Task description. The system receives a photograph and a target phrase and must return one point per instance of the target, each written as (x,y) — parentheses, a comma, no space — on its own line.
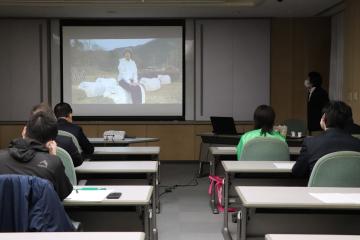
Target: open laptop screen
(223,125)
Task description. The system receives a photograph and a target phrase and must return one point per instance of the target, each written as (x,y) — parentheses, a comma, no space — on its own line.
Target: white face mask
(307,83)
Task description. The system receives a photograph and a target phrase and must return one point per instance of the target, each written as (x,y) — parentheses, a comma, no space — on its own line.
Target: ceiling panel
(164,8)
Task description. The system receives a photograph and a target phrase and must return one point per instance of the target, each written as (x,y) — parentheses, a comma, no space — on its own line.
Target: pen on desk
(91,188)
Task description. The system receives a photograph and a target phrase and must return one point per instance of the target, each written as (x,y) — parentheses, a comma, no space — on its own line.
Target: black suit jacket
(318,99)
(352,128)
(67,144)
(313,148)
(77,131)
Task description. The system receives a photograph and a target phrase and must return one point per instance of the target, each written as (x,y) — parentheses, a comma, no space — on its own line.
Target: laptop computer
(223,125)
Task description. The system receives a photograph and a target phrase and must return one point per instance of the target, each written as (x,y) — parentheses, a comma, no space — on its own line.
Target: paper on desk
(284,165)
(227,148)
(337,197)
(354,196)
(89,195)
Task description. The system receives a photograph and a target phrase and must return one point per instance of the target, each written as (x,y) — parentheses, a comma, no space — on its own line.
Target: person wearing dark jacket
(317,99)
(63,112)
(68,145)
(334,139)
(62,141)
(352,127)
(35,154)
(30,204)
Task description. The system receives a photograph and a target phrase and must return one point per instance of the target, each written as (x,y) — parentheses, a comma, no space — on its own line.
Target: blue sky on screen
(111,44)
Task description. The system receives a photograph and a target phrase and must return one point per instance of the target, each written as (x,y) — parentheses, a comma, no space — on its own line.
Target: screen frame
(125,22)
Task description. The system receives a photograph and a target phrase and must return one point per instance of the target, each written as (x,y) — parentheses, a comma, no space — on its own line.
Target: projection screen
(123,70)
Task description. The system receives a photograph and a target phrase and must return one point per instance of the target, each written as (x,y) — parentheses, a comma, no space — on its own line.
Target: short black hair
(42,127)
(315,79)
(264,118)
(337,114)
(62,110)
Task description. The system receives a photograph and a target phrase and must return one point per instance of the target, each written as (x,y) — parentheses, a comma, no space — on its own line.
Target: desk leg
(146,222)
(212,195)
(156,192)
(157,158)
(225,231)
(200,160)
(154,232)
(241,224)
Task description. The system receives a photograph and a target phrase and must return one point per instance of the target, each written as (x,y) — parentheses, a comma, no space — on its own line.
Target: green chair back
(296,125)
(265,149)
(74,139)
(68,164)
(338,169)
(356,136)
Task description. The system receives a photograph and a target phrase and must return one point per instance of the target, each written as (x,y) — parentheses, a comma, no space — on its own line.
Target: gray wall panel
(23,69)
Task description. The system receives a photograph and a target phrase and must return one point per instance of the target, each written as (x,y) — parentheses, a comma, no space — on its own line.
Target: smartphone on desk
(114,195)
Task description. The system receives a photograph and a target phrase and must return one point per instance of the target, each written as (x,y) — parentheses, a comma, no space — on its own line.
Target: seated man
(352,127)
(335,117)
(62,141)
(35,154)
(63,112)
(68,145)
(264,118)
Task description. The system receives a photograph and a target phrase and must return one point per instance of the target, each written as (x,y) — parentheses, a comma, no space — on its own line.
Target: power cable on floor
(168,189)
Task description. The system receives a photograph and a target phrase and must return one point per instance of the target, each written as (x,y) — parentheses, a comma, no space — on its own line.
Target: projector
(112,135)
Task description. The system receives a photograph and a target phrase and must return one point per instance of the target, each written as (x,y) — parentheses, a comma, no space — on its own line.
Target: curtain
(337,57)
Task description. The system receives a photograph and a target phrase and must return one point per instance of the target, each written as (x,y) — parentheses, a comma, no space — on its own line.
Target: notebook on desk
(223,125)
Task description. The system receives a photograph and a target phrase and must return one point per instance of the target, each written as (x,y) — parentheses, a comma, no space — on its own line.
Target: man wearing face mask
(317,100)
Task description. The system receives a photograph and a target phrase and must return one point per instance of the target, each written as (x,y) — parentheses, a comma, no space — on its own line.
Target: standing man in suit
(335,138)
(63,112)
(317,99)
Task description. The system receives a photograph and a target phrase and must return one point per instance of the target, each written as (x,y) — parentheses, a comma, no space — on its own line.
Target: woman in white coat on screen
(128,78)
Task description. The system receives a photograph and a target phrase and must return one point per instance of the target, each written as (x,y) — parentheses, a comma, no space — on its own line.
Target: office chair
(74,139)
(356,135)
(338,169)
(265,149)
(68,164)
(30,203)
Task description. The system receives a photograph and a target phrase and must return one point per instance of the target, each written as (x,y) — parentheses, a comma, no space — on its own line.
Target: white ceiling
(160,9)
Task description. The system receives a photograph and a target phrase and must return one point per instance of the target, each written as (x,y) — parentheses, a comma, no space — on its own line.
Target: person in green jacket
(264,118)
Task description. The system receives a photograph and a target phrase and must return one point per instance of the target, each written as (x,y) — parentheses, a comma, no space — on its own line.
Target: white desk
(117,167)
(153,151)
(123,142)
(219,152)
(100,168)
(296,198)
(311,237)
(130,196)
(258,166)
(74,236)
(247,167)
(232,151)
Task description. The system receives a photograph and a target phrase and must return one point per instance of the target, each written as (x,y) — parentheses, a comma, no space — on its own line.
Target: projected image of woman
(128,77)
